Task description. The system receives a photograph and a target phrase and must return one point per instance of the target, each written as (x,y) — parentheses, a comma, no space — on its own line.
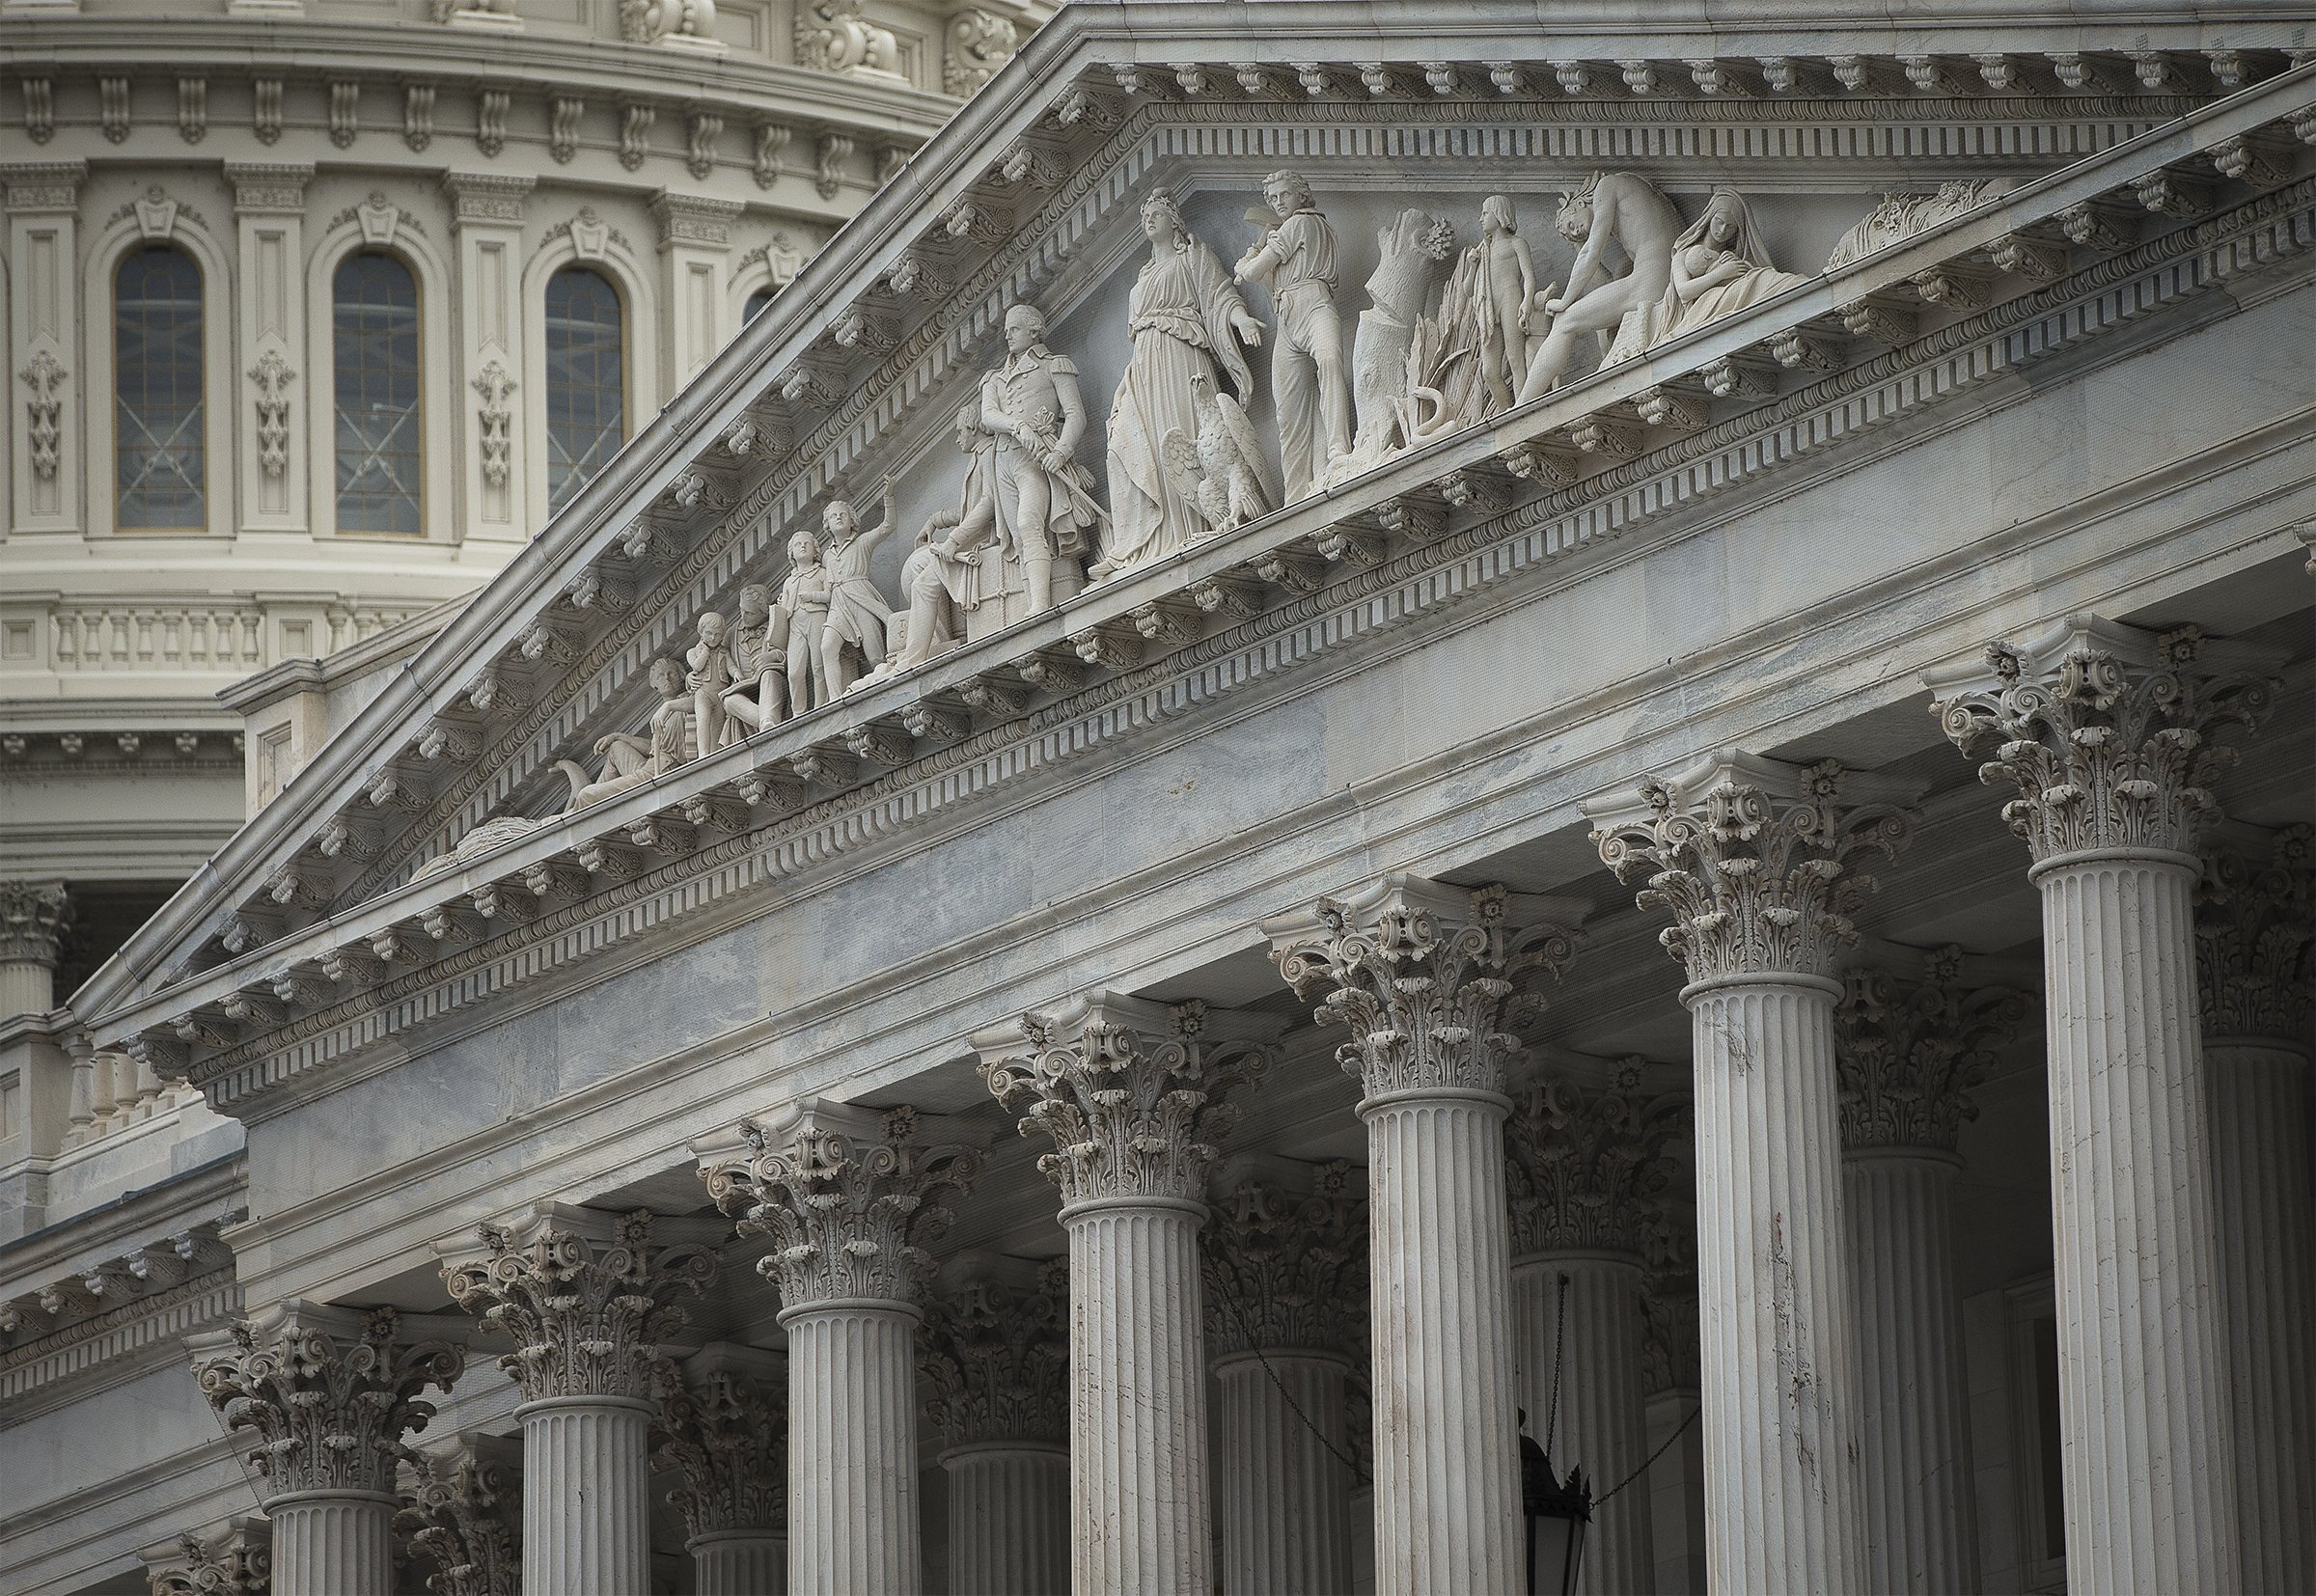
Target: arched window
(375,330)
(756,302)
(587,387)
(156,383)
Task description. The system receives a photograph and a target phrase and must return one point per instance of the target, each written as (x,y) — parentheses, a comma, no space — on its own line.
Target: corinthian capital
(327,1394)
(1429,980)
(996,1352)
(1134,1094)
(236,1561)
(1911,1052)
(1752,858)
(1586,1166)
(851,1198)
(33,917)
(2255,939)
(585,1295)
(2107,732)
(1285,1261)
(724,1426)
(464,1511)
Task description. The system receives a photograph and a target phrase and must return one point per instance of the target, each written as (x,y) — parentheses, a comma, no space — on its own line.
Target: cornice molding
(71,1364)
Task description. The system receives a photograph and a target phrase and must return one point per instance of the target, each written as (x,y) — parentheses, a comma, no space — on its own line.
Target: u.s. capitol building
(1367,739)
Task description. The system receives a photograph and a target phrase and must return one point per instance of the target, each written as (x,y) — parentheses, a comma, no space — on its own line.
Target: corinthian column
(2106,732)
(1286,1276)
(1131,1092)
(996,1355)
(1908,1055)
(724,1428)
(328,1395)
(2253,936)
(464,1512)
(1586,1167)
(849,1196)
(586,1299)
(1421,975)
(1751,857)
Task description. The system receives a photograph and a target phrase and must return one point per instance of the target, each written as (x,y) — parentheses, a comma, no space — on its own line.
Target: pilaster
(2107,733)
(47,420)
(1427,979)
(695,245)
(1752,858)
(269,209)
(724,1428)
(487,216)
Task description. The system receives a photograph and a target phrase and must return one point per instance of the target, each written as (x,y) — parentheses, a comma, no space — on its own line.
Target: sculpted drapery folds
(328,1401)
(1618,208)
(2109,733)
(997,1359)
(1752,858)
(849,1197)
(585,1316)
(1586,1167)
(466,1514)
(1286,1272)
(2255,940)
(1428,981)
(1310,385)
(726,1435)
(1911,1052)
(1133,1108)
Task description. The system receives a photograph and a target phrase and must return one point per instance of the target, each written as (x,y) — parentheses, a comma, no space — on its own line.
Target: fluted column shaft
(1780,1419)
(853,1439)
(333,1543)
(1009,1519)
(1676,1509)
(739,1563)
(1914,1466)
(1139,1520)
(2261,1187)
(1283,1493)
(1446,1441)
(586,1496)
(2150,1489)
(1600,1421)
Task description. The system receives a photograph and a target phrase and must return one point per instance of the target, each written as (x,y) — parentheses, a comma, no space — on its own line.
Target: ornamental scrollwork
(239,1562)
(1286,1272)
(465,1514)
(727,1436)
(1134,1109)
(1752,860)
(585,1315)
(327,1411)
(995,1356)
(1586,1167)
(2107,732)
(2255,940)
(850,1199)
(1910,1053)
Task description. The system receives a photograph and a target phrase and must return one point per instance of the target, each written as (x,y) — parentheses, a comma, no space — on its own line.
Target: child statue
(857,615)
(804,602)
(709,679)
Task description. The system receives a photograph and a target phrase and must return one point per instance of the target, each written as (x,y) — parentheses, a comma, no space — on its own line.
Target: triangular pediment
(1840,201)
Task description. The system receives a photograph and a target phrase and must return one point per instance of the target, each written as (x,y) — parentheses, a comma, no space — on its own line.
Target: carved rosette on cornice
(994,1352)
(1911,1052)
(1753,857)
(1134,1094)
(585,1297)
(1586,1167)
(849,1196)
(2255,940)
(235,1561)
(2108,731)
(1285,1269)
(1429,980)
(464,1510)
(32,917)
(726,1434)
(327,1394)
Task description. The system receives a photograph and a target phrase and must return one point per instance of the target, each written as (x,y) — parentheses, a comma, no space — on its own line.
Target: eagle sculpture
(1222,472)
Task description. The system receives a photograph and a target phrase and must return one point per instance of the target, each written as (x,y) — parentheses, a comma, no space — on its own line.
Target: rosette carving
(2107,732)
(585,1314)
(1429,979)
(728,1436)
(327,1397)
(1286,1272)
(997,1358)
(1910,1053)
(466,1514)
(1585,1167)
(1752,858)
(2255,940)
(239,1562)
(849,1196)
(1134,1095)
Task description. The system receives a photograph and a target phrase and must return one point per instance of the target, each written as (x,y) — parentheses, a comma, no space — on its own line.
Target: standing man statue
(1309,382)
(1045,498)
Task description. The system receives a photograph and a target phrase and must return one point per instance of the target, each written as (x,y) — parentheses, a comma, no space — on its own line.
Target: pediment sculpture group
(1448,339)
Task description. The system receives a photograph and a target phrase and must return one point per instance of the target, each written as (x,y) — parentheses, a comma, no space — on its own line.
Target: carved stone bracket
(996,1354)
(1286,1264)
(1911,1052)
(1586,1166)
(2255,940)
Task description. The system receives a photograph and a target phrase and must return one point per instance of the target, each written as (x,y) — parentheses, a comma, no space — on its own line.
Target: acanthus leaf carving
(238,1561)
(727,1436)
(1910,1051)
(44,374)
(465,1512)
(272,377)
(2255,940)
(995,1356)
(1285,1269)
(497,415)
(1586,1167)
